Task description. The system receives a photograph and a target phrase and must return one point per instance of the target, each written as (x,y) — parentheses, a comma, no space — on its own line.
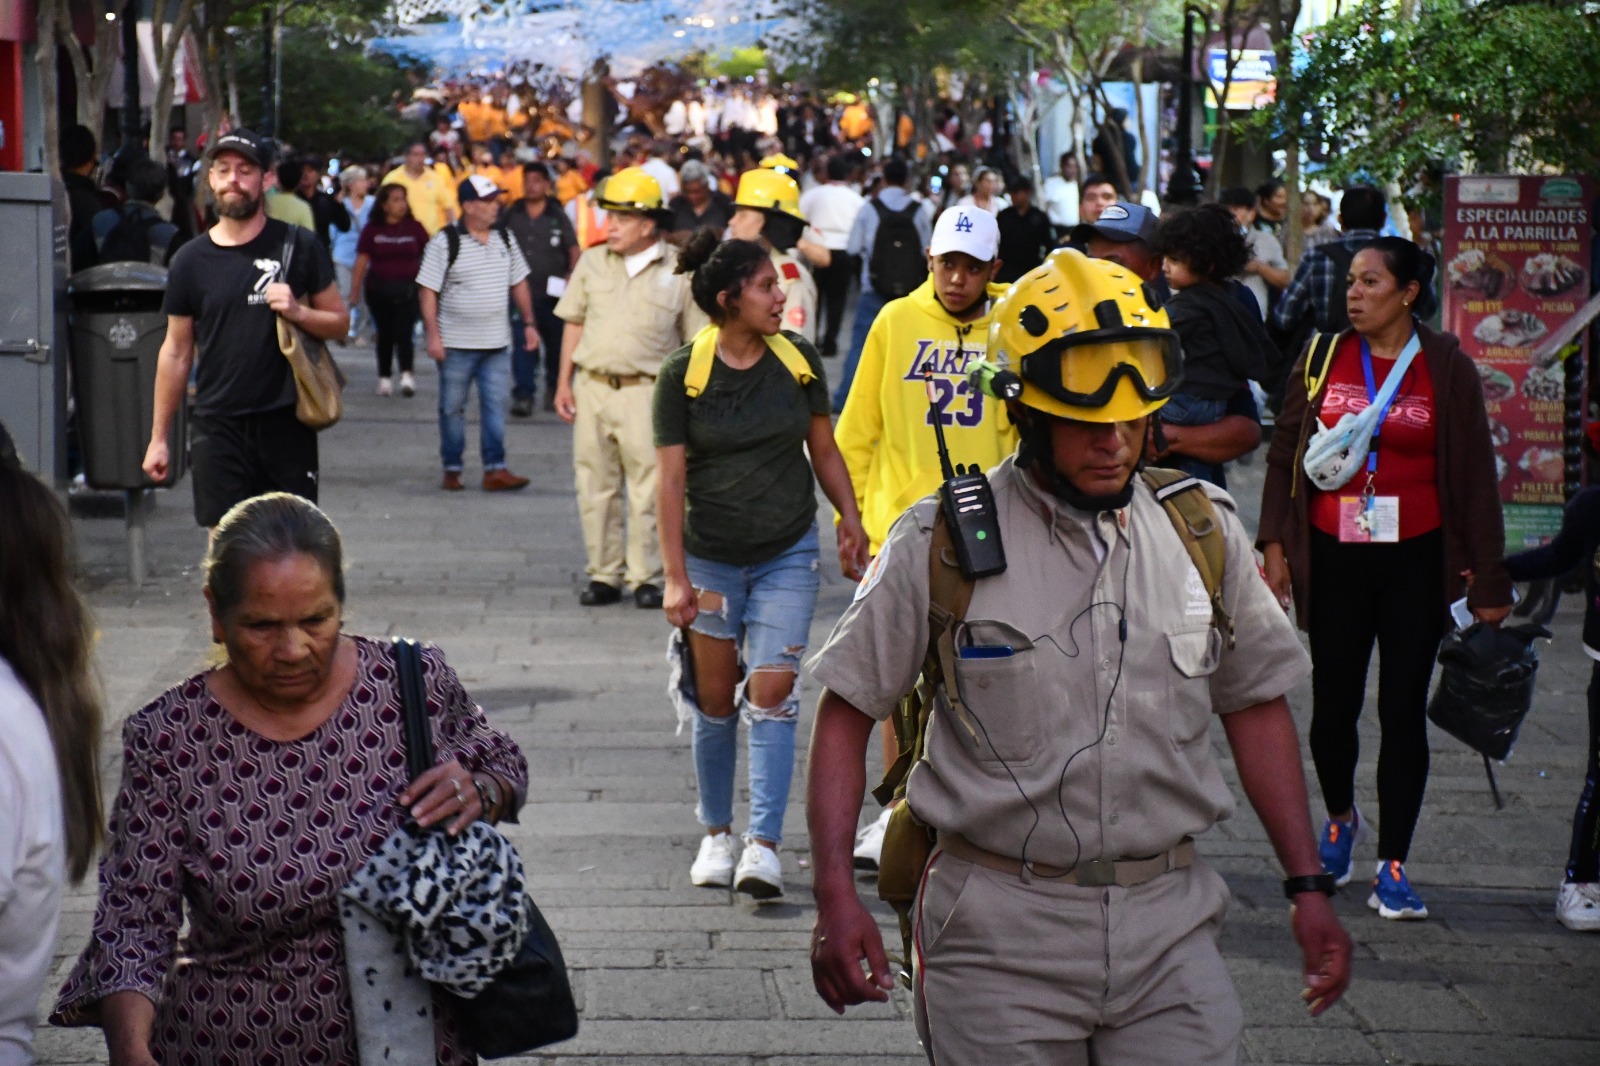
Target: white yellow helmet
(1086,340)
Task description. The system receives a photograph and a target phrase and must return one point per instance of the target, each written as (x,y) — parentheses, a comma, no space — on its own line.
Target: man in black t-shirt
(225,290)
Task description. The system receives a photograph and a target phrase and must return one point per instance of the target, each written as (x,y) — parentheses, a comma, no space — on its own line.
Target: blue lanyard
(1372,396)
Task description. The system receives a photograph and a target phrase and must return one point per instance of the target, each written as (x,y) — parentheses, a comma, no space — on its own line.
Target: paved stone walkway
(668,973)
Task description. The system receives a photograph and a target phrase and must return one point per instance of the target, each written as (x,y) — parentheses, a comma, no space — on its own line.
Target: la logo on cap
(963,223)
(1114,212)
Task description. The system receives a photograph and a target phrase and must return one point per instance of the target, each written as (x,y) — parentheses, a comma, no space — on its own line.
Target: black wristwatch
(488,794)
(1293,886)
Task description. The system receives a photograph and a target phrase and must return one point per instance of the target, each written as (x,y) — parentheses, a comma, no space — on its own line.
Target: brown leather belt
(617,381)
(1096,873)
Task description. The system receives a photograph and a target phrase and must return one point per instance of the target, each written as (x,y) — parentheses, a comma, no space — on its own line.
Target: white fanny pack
(1334,455)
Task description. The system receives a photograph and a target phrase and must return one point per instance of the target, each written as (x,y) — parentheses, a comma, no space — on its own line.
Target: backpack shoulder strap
(1319,361)
(452,241)
(704,353)
(701,356)
(792,358)
(1194,519)
(949,595)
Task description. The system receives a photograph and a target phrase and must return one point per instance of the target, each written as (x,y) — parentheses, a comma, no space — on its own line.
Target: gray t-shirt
(473,294)
(1264,248)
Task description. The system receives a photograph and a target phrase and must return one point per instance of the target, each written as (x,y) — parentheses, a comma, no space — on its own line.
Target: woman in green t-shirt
(736,412)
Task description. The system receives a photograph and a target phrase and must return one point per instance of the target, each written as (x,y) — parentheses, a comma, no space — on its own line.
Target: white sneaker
(760,874)
(713,867)
(1578,906)
(385,386)
(408,384)
(869,841)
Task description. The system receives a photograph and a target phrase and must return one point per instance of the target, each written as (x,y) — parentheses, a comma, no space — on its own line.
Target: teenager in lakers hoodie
(885,432)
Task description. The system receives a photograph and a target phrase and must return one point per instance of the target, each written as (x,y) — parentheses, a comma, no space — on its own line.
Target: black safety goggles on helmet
(1151,359)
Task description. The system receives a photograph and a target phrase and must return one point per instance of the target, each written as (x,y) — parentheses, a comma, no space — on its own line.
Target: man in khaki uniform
(1063,916)
(625,310)
(767,211)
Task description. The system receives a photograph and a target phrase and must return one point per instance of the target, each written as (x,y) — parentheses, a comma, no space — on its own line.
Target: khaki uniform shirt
(629,324)
(799,293)
(1150,778)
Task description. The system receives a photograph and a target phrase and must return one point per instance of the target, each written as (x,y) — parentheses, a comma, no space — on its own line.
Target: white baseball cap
(966,229)
(477,187)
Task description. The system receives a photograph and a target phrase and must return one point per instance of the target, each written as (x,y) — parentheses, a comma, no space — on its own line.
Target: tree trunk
(1138,104)
(167,44)
(1293,230)
(44,55)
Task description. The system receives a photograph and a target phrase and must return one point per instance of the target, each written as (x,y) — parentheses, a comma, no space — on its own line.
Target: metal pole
(269,68)
(135,513)
(1183,189)
(130,74)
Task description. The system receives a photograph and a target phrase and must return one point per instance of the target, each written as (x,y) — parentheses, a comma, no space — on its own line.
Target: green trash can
(117,328)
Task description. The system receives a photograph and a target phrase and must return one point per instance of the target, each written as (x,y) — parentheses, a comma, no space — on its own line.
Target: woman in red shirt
(388,256)
(1389,550)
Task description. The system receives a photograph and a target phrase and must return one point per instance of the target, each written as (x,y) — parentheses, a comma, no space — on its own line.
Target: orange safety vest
(591,231)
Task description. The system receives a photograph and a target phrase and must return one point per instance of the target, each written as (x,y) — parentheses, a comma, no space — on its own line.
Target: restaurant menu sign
(1516,267)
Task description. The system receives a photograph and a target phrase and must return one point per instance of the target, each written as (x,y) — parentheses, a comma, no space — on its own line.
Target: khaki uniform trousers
(1050,974)
(613,448)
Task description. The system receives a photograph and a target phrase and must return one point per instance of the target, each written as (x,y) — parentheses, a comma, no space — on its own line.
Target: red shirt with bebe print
(1406,444)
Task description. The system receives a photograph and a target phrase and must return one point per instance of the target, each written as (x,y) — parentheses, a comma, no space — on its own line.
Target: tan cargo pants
(613,453)
(1050,974)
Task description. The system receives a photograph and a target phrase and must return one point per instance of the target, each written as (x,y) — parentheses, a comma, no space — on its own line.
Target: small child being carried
(1225,343)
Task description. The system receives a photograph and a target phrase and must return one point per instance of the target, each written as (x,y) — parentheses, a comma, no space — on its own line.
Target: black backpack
(897,265)
(452,240)
(141,235)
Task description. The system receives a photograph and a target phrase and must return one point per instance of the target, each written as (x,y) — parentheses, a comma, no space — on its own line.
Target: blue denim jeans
(1181,409)
(491,369)
(525,364)
(766,607)
(868,304)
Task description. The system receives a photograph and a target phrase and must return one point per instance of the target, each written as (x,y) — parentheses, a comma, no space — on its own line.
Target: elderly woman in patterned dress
(250,794)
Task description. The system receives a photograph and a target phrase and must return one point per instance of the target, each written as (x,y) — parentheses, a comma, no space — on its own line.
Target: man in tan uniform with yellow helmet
(625,310)
(767,211)
(1063,916)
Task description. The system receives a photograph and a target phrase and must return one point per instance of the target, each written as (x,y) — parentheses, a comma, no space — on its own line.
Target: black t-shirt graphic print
(238,367)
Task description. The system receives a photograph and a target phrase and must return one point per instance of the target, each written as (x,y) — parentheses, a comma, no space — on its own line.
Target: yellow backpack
(704,353)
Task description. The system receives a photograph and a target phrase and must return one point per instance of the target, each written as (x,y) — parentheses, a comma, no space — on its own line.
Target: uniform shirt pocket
(1196,654)
(1002,697)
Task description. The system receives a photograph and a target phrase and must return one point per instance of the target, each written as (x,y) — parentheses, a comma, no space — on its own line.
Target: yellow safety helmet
(769,190)
(631,189)
(783,164)
(1083,336)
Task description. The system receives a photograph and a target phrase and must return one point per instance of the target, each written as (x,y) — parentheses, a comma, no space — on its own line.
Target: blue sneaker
(1392,896)
(1337,843)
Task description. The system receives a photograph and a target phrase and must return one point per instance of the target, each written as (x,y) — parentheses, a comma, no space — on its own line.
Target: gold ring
(461,799)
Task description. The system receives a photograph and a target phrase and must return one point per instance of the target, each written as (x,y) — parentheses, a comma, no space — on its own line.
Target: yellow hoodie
(886,431)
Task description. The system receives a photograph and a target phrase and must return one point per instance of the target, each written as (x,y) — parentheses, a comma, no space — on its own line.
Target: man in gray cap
(1125,234)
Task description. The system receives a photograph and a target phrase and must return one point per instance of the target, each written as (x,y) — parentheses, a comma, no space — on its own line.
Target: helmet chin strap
(1035,456)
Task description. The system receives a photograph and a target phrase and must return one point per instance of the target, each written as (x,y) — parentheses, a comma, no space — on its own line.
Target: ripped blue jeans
(767,608)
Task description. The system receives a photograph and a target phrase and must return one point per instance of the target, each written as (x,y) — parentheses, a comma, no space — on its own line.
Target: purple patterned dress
(251,840)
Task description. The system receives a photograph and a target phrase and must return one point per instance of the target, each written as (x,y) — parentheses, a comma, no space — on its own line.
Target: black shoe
(598,594)
(647,598)
(829,350)
(522,406)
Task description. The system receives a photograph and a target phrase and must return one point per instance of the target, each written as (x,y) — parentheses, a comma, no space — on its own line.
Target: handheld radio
(968,505)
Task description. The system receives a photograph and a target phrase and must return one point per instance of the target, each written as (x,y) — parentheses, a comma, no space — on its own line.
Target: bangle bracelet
(488,797)
(1293,886)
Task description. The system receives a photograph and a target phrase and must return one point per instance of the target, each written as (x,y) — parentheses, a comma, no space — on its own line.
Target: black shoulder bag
(529,1005)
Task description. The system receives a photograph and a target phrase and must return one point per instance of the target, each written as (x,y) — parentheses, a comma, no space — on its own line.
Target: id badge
(1369,519)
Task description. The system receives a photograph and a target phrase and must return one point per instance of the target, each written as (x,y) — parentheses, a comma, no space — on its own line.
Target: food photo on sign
(1516,251)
